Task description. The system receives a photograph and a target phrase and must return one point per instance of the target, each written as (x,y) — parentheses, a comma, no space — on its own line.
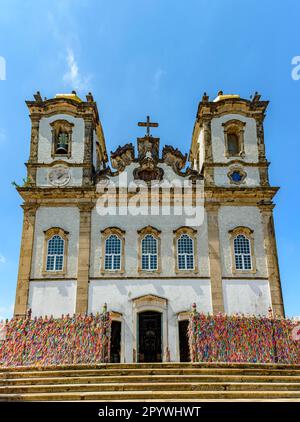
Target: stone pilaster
(260,140)
(34,143)
(25,260)
(88,151)
(272,258)
(83,257)
(212,211)
(34,138)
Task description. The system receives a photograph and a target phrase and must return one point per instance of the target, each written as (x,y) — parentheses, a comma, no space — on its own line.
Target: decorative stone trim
(156,234)
(237,128)
(48,234)
(192,234)
(104,236)
(64,126)
(150,303)
(242,173)
(248,233)
(183,315)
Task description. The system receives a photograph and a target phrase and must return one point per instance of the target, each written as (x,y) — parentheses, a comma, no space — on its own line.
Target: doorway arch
(150,303)
(149,336)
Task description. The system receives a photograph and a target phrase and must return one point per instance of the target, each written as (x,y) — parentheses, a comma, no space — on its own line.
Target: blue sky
(154,57)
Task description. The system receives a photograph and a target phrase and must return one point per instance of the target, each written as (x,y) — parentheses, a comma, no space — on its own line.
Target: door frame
(117,316)
(138,332)
(155,304)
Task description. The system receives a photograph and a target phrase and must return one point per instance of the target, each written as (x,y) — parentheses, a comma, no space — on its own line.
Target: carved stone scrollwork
(148,150)
(122,157)
(174,158)
(148,171)
(148,146)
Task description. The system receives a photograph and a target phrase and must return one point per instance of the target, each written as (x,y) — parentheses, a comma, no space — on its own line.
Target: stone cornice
(66,163)
(241,162)
(72,196)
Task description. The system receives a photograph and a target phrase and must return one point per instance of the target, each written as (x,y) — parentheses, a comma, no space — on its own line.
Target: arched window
(233,144)
(113,247)
(149,253)
(185,246)
(62,143)
(112,260)
(55,253)
(61,138)
(185,252)
(234,138)
(242,252)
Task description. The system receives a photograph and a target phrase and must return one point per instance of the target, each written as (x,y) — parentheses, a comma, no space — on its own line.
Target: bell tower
(67,143)
(228,141)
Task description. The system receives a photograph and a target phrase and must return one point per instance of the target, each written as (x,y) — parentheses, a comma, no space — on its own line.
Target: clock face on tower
(59,176)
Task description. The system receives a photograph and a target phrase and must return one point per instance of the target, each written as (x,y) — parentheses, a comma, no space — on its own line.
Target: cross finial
(148,124)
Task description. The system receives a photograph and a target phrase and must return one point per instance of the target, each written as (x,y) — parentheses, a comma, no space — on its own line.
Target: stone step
(95,379)
(144,371)
(180,365)
(152,395)
(165,386)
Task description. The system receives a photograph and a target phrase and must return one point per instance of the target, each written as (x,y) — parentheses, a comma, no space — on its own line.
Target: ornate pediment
(148,155)
(122,157)
(174,158)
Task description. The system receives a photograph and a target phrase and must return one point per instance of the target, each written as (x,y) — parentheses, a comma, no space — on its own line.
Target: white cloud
(2,259)
(158,75)
(73,76)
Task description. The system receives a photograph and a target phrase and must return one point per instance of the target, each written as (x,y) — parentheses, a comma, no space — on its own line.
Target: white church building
(150,231)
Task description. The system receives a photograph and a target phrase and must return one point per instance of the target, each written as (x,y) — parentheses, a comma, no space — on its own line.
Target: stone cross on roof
(148,124)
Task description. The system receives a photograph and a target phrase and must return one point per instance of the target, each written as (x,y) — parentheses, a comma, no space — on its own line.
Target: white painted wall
(45,138)
(131,225)
(52,298)
(118,295)
(221,178)
(246,296)
(43,172)
(218,141)
(247,216)
(67,218)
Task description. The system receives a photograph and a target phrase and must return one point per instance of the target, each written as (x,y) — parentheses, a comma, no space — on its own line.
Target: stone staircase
(152,382)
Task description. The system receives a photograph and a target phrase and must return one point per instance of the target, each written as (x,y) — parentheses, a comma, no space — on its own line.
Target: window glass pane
(149,244)
(185,251)
(145,262)
(153,262)
(233,144)
(55,254)
(190,262)
(50,263)
(242,253)
(108,262)
(117,262)
(112,259)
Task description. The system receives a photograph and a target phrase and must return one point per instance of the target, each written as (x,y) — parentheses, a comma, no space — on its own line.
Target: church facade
(147,233)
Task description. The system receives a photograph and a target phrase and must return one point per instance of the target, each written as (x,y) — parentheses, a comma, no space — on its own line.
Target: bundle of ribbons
(48,341)
(239,338)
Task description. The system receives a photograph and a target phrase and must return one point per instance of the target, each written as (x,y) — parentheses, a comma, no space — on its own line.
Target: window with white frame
(185,252)
(112,260)
(242,252)
(149,253)
(55,253)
